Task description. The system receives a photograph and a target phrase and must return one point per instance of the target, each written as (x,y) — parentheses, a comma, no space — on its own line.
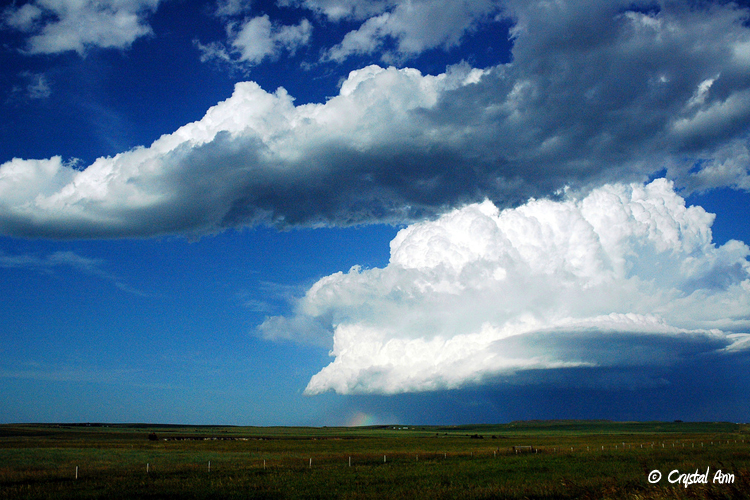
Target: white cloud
(727,166)
(22,18)
(415,26)
(253,39)
(258,38)
(228,8)
(592,96)
(55,26)
(234,150)
(481,292)
(336,10)
(699,97)
(24,180)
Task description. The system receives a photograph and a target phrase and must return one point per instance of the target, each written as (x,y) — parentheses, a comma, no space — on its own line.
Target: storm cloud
(625,277)
(596,92)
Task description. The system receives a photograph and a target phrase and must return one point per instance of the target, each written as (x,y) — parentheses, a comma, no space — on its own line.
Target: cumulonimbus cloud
(626,276)
(595,93)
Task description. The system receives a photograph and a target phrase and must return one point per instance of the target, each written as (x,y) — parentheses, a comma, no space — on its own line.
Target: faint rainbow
(361,419)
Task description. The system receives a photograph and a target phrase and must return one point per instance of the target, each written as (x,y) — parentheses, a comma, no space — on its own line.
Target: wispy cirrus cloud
(30,87)
(72,372)
(55,259)
(66,259)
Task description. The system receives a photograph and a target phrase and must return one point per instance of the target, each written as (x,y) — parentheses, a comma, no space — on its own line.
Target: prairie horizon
(545,459)
(355,212)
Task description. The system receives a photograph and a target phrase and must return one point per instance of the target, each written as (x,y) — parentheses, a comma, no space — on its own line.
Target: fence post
(76,472)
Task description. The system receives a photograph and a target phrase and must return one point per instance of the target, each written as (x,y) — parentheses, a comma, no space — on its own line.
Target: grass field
(534,460)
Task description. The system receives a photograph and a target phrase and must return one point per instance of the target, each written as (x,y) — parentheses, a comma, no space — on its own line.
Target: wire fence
(257,462)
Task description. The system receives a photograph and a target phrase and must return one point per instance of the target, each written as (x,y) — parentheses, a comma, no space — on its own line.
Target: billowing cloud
(627,276)
(595,93)
(55,26)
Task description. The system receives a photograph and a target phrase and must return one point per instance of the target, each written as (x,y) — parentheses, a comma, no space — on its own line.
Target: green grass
(474,462)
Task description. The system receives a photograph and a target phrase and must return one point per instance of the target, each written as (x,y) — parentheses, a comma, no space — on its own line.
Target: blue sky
(332,212)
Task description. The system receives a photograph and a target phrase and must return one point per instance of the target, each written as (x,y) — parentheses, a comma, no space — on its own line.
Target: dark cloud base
(712,388)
